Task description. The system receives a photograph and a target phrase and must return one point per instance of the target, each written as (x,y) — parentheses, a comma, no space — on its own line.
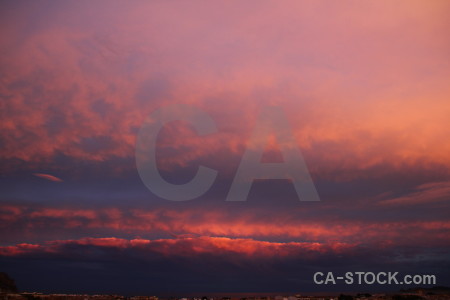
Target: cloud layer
(364,86)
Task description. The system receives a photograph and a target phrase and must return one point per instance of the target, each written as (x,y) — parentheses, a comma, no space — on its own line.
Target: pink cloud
(422,194)
(48,177)
(217,223)
(347,76)
(185,247)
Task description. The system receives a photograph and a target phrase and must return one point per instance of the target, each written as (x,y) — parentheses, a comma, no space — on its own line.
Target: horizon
(233,295)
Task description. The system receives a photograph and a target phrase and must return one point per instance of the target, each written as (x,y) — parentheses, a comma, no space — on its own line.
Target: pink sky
(364,84)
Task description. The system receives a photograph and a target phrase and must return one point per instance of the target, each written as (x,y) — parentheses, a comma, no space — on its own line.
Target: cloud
(427,193)
(43,222)
(48,177)
(365,90)
(179,247)
(81,86)
(187,264)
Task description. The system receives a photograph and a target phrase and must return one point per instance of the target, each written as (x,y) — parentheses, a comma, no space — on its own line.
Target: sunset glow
(365,87)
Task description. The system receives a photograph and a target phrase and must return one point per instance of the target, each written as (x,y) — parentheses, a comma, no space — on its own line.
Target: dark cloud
(189,264)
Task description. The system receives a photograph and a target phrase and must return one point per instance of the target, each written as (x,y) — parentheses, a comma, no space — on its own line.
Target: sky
(364,87)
